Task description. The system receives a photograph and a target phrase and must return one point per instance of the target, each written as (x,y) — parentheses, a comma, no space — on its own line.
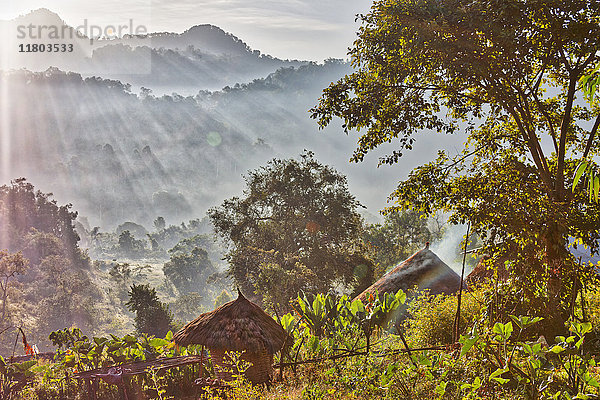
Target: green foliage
(11,265)
(326,322)
(493,361)
(23,208)
(188,271)
(275,282)
(534,367)
(169,236)
(296,214)
(128,244)
(120,272)
(66,337)
(239,387)
(188,306)
(137,244)
(186,245)
(317,310)
(67,296)
(588,169)
(151,315)
(85,354)
(430,318)
(133,228)
(14,377)
(591,302)
(56,380)
(55,290)
(507,75)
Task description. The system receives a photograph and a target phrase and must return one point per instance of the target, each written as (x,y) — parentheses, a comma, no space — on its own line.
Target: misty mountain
(122,149)
(203,57)
(209,38)
(117,155)
(182,71)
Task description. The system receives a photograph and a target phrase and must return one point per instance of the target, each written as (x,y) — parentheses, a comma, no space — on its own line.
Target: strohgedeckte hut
(240,326)
(424,270)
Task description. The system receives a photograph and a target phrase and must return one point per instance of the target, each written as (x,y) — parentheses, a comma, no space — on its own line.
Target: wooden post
(462,277)
(95,385)
(201,374)
(91,392)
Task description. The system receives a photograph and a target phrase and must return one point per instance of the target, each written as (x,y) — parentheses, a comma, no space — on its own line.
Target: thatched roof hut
(485,271)
(424,270)
(239,325)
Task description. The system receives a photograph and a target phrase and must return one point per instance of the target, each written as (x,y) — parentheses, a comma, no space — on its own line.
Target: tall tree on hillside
(507,73)
(23,208)
(295,216)
(151,315)
(188,270)
(11,265)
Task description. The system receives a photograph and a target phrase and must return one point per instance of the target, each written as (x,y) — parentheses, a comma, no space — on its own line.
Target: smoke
(449,248)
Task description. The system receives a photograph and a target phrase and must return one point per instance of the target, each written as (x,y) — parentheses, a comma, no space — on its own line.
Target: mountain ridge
(202,57)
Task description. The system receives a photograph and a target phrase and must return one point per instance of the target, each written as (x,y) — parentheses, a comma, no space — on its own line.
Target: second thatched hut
(423,270)
(239,326)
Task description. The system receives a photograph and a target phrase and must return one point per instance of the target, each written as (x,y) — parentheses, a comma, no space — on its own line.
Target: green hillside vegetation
(50,283)
(517,77)
(391,345)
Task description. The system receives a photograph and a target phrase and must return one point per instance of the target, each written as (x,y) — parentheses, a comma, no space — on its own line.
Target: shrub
(431,317)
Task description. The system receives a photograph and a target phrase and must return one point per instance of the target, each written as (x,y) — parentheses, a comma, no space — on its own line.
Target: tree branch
(541,107)
(564,127)
(461,159)
(590,140)
(435,88)
(544,173)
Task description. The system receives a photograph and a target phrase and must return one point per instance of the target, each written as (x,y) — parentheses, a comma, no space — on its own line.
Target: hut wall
(260,371)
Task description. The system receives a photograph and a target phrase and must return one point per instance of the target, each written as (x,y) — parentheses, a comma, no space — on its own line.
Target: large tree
(188,270)
(507,73)
(151,315)
(296,227)
(11,265)
(24,210)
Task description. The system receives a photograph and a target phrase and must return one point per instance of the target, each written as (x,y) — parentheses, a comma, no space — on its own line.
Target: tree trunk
(4,298)
(558,266)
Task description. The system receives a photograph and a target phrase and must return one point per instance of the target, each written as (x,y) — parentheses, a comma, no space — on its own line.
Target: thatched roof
(484,271)
(236,326)
(423,269)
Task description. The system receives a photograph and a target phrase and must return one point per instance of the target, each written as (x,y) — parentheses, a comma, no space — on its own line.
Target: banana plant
(587,169)
(377,311)
(316,310)
(13,377)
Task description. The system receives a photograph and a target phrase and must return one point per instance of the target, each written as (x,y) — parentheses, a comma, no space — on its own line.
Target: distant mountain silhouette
(208,38)
(203,57)
(41,16)
(41,27)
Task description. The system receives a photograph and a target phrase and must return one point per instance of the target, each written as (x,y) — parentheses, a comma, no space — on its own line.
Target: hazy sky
(303,29)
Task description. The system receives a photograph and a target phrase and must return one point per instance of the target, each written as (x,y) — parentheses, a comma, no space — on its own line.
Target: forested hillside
(212,232)
(168,155)
(202,57)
